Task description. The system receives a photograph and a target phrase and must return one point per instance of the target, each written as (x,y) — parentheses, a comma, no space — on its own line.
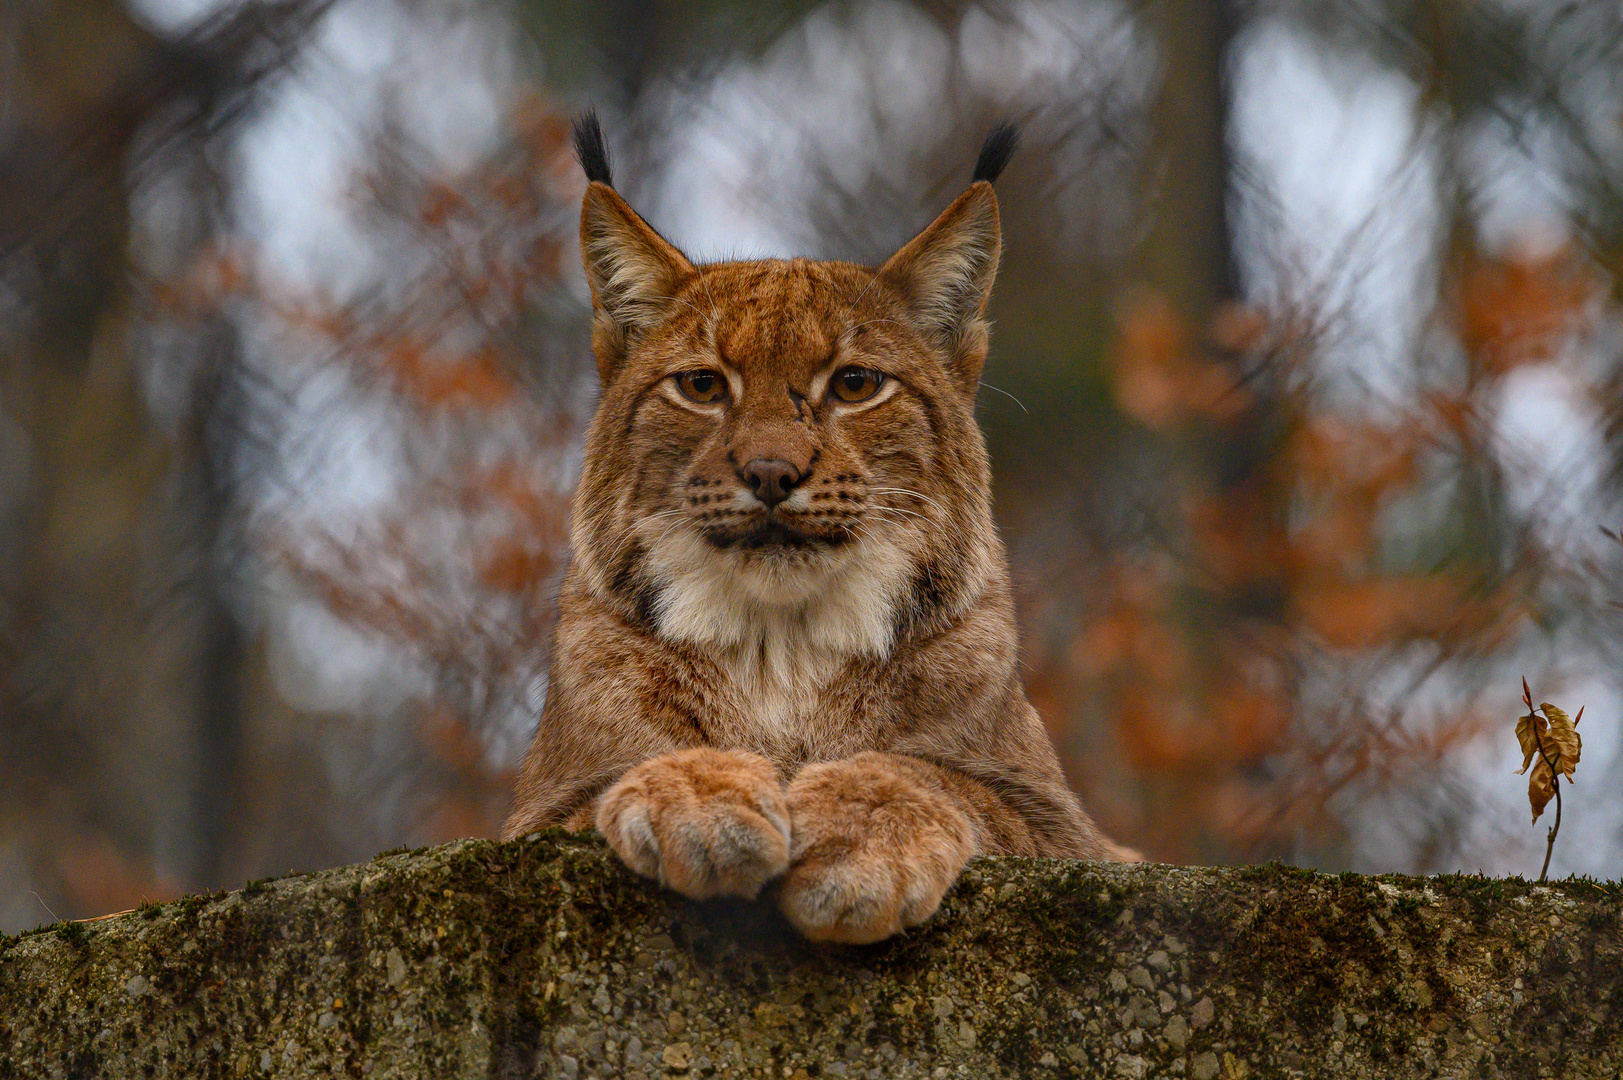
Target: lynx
(786,648)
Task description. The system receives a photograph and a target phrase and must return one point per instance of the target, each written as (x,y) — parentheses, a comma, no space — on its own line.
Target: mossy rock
(544,958)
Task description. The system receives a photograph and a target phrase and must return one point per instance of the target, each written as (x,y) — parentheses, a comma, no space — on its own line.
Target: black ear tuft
(999,147)
(589,148)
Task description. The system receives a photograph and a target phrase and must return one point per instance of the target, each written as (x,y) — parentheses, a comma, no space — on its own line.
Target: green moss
(557,835)
(189,906)
(1275,871)
(1387,1044)
(1479,888)
(1019,1050)
(1588,888)
(1065,931)
(1483,894)
(74,933)
(1295,947)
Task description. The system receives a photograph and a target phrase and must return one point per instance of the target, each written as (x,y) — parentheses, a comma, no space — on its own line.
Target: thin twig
(1555,779)
(1549,847)
(109,915)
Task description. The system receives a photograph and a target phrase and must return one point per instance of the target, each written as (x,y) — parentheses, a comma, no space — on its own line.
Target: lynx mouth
(774,534)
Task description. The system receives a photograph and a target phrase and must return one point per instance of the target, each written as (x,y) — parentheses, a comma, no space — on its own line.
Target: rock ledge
(544,958)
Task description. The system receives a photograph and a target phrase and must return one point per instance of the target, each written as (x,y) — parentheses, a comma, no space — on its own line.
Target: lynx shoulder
(786,649)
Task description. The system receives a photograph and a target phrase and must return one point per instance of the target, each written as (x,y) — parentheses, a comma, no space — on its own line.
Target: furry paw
(1123,853)
(876,846)
(704,822)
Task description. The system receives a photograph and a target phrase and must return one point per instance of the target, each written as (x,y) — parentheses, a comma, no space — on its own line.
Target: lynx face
(786,448)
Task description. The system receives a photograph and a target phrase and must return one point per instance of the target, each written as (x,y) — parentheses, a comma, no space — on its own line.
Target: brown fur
(836,704)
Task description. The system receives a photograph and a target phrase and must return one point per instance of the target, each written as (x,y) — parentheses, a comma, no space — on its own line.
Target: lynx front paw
(704,822)
(876,846)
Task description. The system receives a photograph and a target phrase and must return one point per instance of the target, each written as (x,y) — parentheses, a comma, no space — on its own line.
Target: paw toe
(724,854)
(847,904)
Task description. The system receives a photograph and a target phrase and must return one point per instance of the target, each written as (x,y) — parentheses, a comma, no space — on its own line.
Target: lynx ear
(633,271)
(945,273)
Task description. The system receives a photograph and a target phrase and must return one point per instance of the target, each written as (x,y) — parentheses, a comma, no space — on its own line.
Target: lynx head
(787,446)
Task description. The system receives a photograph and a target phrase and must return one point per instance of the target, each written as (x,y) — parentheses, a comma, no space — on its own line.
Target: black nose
(771,479)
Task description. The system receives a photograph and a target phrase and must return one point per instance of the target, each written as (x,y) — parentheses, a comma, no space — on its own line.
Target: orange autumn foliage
(1157,381)
(1517,311)
(476,382)
(1195,649)
(1365,614)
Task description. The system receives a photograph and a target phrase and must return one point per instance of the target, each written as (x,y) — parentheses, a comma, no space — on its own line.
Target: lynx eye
(704,387)
(854,384)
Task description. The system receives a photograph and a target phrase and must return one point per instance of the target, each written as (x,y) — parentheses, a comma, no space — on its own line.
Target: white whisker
(866,289)
(1010,396)
(688,303)
(880,513)
(661,516)
(868,322)
(636,527)
(904,491)
(898,510)
(672,527)
(714,313)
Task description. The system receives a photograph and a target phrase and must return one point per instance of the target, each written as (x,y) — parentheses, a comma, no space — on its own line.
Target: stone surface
(543,958)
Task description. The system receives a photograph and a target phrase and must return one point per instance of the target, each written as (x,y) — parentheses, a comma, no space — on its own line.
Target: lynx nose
(770,479)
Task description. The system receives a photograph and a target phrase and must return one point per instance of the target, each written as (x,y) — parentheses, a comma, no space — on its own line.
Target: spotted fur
(824,692)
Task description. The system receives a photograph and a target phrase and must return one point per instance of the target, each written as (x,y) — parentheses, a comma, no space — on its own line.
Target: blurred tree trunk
(122,663)
(1186,276)
(220,685)
(1188,254)
(84,459)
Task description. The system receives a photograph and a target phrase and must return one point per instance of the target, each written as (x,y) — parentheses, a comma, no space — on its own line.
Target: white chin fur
(794,607)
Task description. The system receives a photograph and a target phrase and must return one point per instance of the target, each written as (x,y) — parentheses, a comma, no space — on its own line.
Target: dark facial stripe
(630,585)
(635,411)
(796,290)
(929,600)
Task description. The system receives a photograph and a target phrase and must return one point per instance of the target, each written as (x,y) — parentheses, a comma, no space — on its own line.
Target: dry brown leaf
(1540,787)
(1562,743)
(1526,727)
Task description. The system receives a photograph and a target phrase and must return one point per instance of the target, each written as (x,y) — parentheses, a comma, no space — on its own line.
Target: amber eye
(853,384)
(704,387)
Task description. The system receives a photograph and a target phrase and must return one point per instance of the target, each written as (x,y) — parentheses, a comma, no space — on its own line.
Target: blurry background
(1304,401)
